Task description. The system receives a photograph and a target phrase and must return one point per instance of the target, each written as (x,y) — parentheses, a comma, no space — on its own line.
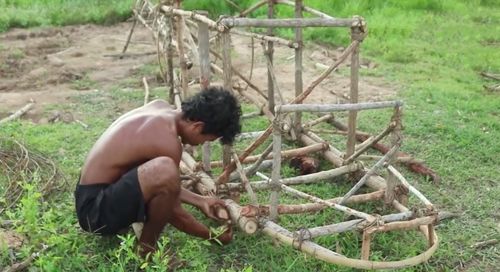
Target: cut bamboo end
(249,225)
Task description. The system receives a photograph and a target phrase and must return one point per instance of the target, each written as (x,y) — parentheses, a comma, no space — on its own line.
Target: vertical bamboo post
(298,64)
(270,53)
(204,53)
(365,247)
(351,137)
(170,63)
(227,74)
(181,51)
(392,180)
(275,174)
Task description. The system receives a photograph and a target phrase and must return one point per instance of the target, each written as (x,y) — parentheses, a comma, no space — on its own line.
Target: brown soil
(51,65)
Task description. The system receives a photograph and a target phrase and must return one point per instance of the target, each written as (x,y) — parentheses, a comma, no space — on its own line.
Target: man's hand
(210,205)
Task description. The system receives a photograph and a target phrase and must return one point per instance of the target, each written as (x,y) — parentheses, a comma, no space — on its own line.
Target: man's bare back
(136,137)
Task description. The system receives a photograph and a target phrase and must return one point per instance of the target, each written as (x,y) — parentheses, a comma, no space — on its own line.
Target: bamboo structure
(393,190)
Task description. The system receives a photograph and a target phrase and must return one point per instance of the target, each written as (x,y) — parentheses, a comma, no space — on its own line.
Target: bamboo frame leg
(365,247)
(269,55)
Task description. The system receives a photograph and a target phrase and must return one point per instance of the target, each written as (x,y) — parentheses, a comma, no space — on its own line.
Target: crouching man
(131,174)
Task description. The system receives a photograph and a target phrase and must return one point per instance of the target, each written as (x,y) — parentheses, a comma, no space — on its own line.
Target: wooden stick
(404,225)
(182,56)
(299,84)
(356,224)
(146,90)
(168,10)
(315,207)
(369,142)
(351,132)
(317,121)
(287,23)
(484,244)
(269,56)
(255,167)
(18,113)
(325,73)
(285,154)
(244,181)
(412,189)
(204,56)
(337,107)
(275,174)
(304,179)
(490,76)
(272,78)
(370,172)
(129,36)
(365,247)
(251,115)
(267,38)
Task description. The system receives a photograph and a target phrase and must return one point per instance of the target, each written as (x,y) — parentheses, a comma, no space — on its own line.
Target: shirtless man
(131,174)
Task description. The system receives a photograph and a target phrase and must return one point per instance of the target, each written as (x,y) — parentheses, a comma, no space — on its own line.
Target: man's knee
(162,174)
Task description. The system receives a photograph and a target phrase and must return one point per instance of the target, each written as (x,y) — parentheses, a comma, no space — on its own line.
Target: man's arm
(191,198)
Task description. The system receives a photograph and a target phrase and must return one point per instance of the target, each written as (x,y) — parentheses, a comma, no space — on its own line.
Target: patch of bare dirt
(50,65)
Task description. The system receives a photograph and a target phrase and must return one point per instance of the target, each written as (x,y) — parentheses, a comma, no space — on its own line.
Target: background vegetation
(431,50)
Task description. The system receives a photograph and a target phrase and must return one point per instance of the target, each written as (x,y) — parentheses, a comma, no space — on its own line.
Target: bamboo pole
(18,113)
(286,23)
(273,81)
(370,172)
(351,137)
(284,154)
(299,85)
(269,56)
(244,181)
(369,142)
(227,75)
(356,224)
(170,58)
(304,179)
(336,206)
(266,38)
(181,51)
(317,121)
(275,174)
(412,189)
(338,107)
(256,166)
(204,56)
(365,246)
(169,11)
(315,207)
(248,224)
(298,193)
(283,235)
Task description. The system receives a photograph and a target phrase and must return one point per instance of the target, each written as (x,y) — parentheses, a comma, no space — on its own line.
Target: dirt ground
(50,65)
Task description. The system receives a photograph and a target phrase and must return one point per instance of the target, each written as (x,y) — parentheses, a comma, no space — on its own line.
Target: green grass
(431,50)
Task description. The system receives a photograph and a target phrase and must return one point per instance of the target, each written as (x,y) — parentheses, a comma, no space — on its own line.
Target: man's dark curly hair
(218,109)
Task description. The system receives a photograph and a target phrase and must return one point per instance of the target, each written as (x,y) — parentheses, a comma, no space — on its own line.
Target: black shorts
(108,208)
